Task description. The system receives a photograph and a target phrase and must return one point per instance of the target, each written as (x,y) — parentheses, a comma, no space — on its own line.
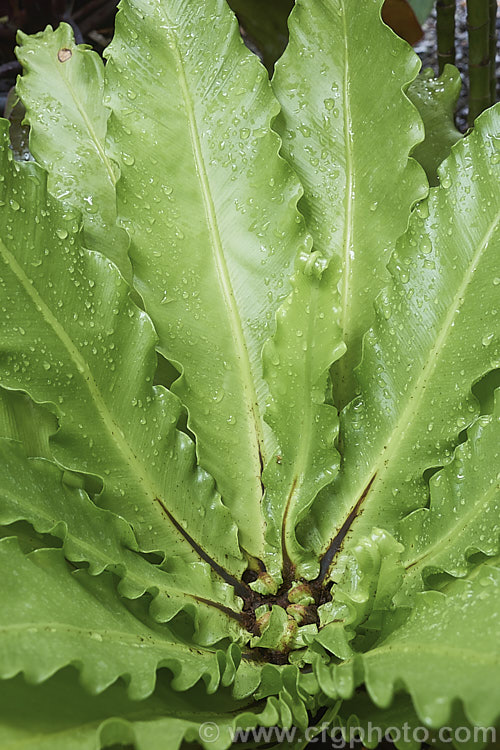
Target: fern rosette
(248,360)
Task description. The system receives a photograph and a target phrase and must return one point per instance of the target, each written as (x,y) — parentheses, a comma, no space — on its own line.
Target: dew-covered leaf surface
(199,271)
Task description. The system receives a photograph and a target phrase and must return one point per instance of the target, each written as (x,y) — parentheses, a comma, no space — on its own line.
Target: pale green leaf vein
(346,295)
(93,135)
(113,636)
(81,365)
(466,519)
(413,405)
(256,428)
(458,653)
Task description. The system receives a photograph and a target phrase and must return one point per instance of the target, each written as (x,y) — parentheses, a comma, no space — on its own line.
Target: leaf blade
(297,360)
(436,100)
(463,514)
(85,622)
(215,239)
(444,272)
(36,491)
(75,356)
(330,126)
(62,90)
(451,660)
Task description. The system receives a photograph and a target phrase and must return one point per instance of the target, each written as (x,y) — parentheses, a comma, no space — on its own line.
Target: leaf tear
(64,55)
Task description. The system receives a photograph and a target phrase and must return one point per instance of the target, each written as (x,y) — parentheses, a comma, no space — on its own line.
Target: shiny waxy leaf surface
(436,100)
(464,514)
(358,183)
(97,630)
(210,208)
(79,169)
(64,716)
(192,540)
(75,356)
(304,424)
(448,649)
(416,391)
